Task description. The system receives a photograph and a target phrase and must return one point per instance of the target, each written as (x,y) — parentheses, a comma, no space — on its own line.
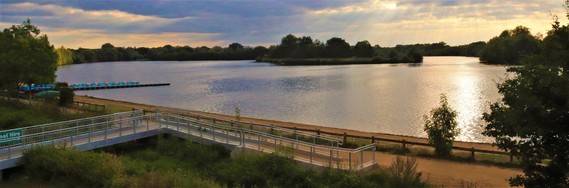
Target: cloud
(253,22)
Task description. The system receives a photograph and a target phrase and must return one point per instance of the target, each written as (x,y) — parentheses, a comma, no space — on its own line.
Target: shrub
(75,168)
(264,170)
(404,173)
(441,127)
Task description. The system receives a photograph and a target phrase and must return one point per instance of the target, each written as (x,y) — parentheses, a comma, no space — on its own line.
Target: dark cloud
(198,8)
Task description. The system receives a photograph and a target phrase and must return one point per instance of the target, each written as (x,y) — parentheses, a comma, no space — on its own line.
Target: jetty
(90,86)
(112,85)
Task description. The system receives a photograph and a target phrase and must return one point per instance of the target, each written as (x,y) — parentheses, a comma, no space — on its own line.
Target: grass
(14,114)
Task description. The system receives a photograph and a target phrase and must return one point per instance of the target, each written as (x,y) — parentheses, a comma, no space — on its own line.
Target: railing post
(295,133)
(106,127)
(147,123)
(227,136)
(259,142)
(134,128)
(201,131)
(472,153)
(158,118)
(361,159)
(373,155)
(178,123)
(213,133)
(350,161)
(120,127)
(292,149)
(331,155)
(404,144)
(242,139)
(345,137)
(311,153)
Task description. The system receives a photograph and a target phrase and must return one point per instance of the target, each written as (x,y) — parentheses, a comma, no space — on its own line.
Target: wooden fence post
(345,137)
(511,157)
(404,144)
(318,131)
(472,153)
(372,139)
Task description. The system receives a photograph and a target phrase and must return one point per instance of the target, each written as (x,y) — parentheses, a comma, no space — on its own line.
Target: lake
(387,98)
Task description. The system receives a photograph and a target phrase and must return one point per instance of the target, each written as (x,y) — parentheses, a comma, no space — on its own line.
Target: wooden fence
(89,106)
(373,139)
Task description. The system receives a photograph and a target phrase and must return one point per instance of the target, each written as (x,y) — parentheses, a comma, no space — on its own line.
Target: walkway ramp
(107,130)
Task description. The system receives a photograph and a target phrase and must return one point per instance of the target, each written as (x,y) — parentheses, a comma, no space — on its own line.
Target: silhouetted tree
(363,49)
(338,48)
(532,118)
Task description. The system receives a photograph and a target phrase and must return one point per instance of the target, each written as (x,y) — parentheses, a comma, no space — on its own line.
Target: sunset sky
(152,23)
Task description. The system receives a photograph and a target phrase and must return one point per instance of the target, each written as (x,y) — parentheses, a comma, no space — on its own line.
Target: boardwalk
(102,131)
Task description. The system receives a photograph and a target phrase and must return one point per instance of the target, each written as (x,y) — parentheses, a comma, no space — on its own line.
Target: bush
(404,173)
(441,128)
(73,167)
(264,170)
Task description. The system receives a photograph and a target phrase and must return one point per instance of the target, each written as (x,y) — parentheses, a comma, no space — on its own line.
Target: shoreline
(132,105)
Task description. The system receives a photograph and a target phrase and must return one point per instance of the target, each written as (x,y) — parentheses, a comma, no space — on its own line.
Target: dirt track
(437,172)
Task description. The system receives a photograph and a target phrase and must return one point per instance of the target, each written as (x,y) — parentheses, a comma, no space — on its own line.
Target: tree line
(305,50)
(109,52)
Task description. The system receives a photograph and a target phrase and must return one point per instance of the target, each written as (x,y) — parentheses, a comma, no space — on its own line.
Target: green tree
(64,56)
(441,127)
(532,119)
(338,48)
(363,49)
(235,46)
(26,56)
(510,47)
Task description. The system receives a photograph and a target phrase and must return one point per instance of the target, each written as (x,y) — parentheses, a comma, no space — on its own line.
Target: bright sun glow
(390,5)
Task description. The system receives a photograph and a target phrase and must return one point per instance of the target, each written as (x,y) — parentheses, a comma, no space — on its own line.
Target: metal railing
(310,148)
(305,150)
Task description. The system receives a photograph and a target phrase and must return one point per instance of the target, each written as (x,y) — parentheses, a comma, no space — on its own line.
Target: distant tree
(260,51)
(235,46)
(532,118)
(363,49)
(510,47)
(26,56)
(64,56)
(441,127)
(415,55)
(338,48)
(305,41)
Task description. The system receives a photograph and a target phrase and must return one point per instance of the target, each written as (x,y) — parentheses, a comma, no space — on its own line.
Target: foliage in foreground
(25,57)
(74,167)
(176,163)
(441,128)
(532,118)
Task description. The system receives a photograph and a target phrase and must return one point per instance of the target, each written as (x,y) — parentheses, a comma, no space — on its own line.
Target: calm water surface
(375,98)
